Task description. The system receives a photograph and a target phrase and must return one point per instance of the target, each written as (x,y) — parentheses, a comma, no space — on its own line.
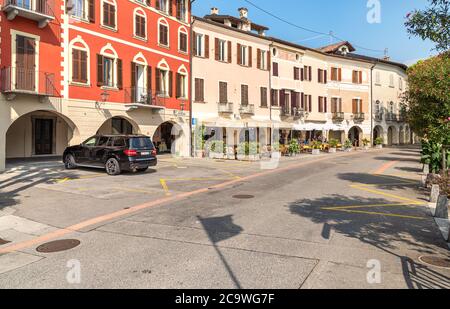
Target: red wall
(49,46)
(126,53)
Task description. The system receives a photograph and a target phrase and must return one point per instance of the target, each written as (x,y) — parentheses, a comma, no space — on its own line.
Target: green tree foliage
(432,23)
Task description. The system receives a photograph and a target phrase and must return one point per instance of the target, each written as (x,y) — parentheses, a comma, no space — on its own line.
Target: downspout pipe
(371,103)
(191,80)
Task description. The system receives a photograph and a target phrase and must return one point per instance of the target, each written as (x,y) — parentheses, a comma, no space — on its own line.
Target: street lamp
(104,96)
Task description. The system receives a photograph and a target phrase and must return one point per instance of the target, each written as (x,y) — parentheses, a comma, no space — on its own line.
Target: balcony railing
(401,118)
(391,117)
(359,116)
(225,108)
(338,116)
(143,97)
(21,80)
(37,10)
(286,111)
(378,117)
(247,109)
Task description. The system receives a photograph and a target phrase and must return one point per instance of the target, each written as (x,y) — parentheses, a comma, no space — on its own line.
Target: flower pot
(348,149)
(242,157)
(316,152)
(332,150)
(216,155)
(199,153)
(379,146)
(366,147)
(253,157)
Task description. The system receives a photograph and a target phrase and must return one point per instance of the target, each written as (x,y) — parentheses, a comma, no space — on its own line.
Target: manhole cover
(243,196)
(435,261)
(3,242)
(58,245)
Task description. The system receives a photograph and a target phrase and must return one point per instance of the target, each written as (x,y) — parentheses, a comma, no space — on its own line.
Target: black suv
(115,153)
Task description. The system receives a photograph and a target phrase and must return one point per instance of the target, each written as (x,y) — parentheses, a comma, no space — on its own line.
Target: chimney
(214,11)
(243,13)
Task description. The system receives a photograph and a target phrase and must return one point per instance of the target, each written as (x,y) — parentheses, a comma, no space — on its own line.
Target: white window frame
(163,21)
(109,52)
(140,59)
(186,8)
(164,3)
(200,44)
(163,66)
(263,59)
(223,50)
(140,12)
(184,90)
(84,11)
(244,55)
(111,2)
(183,30)
(85,47)
(37,39)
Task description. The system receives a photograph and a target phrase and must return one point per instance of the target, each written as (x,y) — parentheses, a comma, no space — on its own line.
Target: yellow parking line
(165,187)
(364,206)
(415,202)
(378,214)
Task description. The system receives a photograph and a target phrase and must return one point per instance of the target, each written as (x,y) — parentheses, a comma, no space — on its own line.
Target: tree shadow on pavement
(403,159)
(391,234)
(379,181)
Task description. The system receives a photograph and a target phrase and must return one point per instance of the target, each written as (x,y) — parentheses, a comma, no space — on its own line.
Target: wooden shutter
(310,102)
(258,58)
(334,105)
(170,83)
(206,46)
(119,74)
(91,11)
(340,104)
(170,7)
(178,85)
(216,48)
(83,66)
(282,96)
(250,56)
(354,106)
(275,69)
(269,60)
(360,77)
(325,76)
(133,74)
(310,73)
(100,79)
(149,80)
(319,75)
(230,52)
(239,55)
(194,43)
(178,4)
(340,74)
(325,104)
(158,81)
(76,65)
(157,5)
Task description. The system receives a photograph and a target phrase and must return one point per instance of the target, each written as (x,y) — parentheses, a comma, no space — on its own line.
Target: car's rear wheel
(69,162)
(112,167)
(141,170)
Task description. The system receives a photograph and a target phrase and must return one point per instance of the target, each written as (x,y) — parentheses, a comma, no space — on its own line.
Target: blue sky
(346,18)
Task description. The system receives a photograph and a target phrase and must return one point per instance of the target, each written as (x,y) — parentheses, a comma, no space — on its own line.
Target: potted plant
(316,146)
(379,143)
(333,145)
(275,150)
(348,146)
(294,148)
(242,151)
(230,153)
(253,151)
(366,143)
(200,142)
(217,150)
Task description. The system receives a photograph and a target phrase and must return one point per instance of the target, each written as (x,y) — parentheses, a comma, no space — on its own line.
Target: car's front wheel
(112,167)
(69,162)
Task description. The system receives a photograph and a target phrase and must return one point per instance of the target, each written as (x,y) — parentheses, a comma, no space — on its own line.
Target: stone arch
(119,125)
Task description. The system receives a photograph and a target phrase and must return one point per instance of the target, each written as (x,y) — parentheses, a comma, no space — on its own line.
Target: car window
(141,143)
(90,142)
(102,141)
(119,142)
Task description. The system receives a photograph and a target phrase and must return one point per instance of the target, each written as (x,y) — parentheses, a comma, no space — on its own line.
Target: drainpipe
(269,65)
(191,80)
(371,101)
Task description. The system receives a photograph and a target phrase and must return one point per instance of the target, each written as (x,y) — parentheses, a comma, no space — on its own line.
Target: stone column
(2,149)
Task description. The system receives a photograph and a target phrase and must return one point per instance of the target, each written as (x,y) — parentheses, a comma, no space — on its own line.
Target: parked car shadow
(390,234)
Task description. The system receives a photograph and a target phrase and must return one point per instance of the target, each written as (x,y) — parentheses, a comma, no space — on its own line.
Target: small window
(223,92)
(79,66)
(199,90)
(198,52)
(108,72)
(183,41)
(244,95)
(163,34)
(263,97)
(140,26)
(109,14)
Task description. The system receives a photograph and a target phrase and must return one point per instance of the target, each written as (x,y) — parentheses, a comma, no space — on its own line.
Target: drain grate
(3,242)
(243,196)
(435,261)
(58,246)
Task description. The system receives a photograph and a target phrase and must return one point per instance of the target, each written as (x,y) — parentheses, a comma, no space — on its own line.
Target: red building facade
(71,69)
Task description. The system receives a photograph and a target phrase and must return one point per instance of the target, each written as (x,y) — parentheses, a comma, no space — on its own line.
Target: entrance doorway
(163,138)
(43,136)
(355,136)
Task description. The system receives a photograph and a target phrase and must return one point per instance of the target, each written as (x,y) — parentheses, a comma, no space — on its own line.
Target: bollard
(435,191)
(442,207)
(426,169)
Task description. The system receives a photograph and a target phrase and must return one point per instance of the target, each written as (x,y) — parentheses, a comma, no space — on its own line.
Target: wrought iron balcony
(300,113)
(401,118)
(141,97)
(40,11)
(378,117)
(247,109)
(225,108)
(338,116)
(22,80)
(359,116)
(391,117)
(286,111)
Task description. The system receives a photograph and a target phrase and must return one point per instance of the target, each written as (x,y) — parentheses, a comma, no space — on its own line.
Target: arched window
(109,68)
(163,32)
(80,71)
(140,80)
(108,14)
(140,24)
(163,79)
(182,39)
(182,83)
